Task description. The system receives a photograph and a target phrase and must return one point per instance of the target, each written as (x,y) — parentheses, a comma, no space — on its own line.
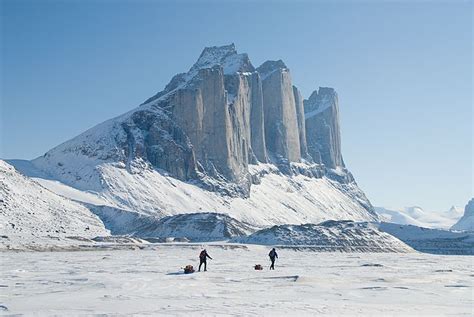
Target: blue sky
(403,71)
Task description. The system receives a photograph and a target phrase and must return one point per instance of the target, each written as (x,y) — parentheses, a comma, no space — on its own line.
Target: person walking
(203,260)
(273,256)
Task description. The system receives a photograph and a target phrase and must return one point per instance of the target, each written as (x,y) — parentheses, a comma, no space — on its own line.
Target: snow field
(149,282)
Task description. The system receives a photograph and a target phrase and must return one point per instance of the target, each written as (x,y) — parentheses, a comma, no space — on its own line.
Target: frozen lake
(304,283)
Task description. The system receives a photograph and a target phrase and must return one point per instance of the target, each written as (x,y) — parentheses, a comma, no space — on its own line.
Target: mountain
(466,223)
(328,236)
(454,212)
(31,215)
(224,137)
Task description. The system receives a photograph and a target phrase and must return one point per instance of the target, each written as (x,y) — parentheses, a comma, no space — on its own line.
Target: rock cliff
(281,124)
(322,127)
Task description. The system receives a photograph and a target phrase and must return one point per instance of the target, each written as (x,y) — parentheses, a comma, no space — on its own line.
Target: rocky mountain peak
(270,66)
(320,100)
(225,56)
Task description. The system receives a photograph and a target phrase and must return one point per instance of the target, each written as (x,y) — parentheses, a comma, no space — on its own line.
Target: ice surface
(150,282)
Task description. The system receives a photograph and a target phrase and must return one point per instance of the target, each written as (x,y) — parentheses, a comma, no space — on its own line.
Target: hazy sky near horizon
(403,72)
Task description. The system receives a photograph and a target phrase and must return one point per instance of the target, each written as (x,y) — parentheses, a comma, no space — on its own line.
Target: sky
(402,69)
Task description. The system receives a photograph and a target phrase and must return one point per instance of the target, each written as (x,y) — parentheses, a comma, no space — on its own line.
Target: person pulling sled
(273,256)
(203,260)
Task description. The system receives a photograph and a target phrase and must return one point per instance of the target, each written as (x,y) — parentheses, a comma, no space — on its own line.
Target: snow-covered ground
(149,282)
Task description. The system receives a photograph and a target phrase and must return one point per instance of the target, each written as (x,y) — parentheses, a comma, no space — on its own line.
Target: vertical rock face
(301,123)
(214,149)
(154,137)
(188,109)
(238,104)
(281,125)
(322,127)
(257,118)
(214,107)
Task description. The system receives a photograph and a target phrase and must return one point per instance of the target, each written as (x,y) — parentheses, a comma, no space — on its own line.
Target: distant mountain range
(417,216)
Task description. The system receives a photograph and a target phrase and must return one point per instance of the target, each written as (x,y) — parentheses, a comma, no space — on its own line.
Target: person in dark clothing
(203,259)
(273,255)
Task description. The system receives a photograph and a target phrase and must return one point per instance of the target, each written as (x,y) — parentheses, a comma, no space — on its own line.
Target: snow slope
(278,199)
(32,215)
(149,283)
(329,236)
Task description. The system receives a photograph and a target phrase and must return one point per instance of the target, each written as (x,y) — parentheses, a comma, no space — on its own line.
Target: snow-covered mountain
(329,236)
(31,215)
(466,223)
(224,137)
(454,212)
(417,216)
